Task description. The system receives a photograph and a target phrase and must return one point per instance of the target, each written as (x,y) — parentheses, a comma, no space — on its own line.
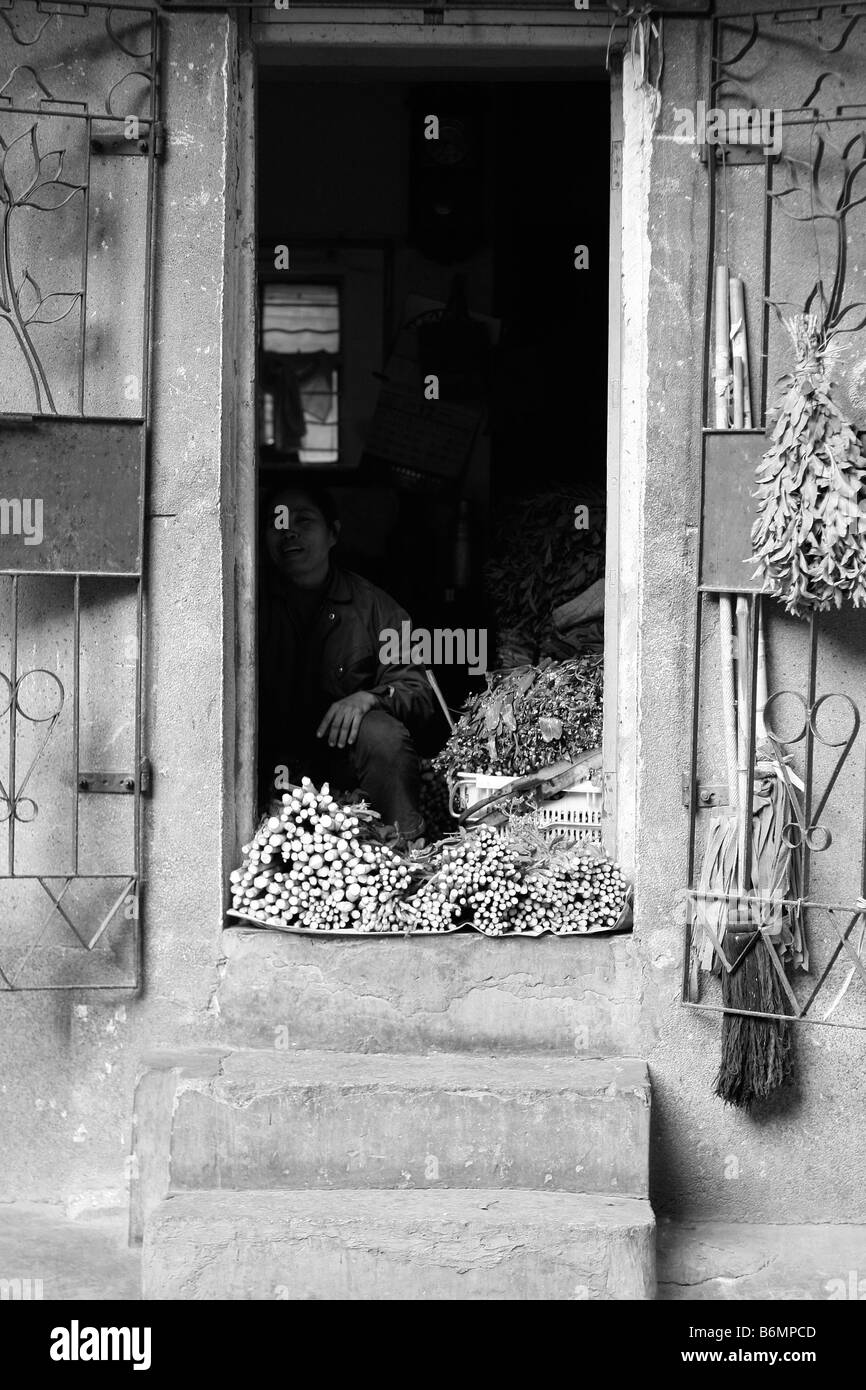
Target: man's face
(298,538)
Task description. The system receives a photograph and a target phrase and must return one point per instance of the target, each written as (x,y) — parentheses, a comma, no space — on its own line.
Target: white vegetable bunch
(315,865)
(588,893)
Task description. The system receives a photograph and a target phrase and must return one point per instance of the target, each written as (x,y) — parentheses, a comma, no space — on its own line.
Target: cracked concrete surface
(394,1245)
(722,1261)
(429,993)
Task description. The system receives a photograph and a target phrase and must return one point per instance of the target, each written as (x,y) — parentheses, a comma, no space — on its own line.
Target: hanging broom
(756,1052)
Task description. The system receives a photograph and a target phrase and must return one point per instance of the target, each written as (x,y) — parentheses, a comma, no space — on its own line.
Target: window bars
(79,142)
(806,729)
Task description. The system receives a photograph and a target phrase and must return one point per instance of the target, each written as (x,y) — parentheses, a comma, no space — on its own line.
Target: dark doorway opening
(480,259)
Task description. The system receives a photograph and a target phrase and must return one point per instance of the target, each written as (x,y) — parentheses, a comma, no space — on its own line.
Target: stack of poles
(754,1052)
(733,409)
(741,397)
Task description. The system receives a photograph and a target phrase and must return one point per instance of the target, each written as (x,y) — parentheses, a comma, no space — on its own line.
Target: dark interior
(361,201)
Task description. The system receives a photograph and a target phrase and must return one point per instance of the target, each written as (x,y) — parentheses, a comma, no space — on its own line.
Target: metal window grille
(80,133)
(824,743)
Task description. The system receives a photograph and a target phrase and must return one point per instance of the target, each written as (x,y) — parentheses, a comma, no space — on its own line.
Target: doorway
(467,257)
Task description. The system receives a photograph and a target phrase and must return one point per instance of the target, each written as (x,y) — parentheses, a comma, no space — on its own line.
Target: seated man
(330,709)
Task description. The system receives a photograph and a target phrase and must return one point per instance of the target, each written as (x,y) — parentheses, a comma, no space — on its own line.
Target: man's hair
(320,497)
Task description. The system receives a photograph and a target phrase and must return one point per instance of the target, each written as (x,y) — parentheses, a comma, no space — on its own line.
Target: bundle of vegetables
(541,561)
(319,864)
(322,866)
(575,889)
(809,539)
(474,879)
(528,719)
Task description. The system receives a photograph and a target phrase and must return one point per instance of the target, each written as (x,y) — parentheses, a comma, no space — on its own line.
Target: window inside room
(301,371)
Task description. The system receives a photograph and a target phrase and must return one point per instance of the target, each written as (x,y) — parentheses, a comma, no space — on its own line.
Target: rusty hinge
(126,141)
(706,793)
(115,783)
(616,164)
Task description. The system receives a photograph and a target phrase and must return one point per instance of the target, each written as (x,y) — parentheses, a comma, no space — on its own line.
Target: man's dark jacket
(303,675)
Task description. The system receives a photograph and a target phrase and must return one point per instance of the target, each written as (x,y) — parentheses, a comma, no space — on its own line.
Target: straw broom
(755,1051)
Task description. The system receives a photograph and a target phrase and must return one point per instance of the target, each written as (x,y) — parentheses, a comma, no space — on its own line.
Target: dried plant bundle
(809,539)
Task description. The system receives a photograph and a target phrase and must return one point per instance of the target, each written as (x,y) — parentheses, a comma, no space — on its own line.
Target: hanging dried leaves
(809,538)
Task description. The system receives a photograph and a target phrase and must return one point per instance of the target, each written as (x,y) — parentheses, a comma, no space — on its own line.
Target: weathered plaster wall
(69,1060)
(804,1160)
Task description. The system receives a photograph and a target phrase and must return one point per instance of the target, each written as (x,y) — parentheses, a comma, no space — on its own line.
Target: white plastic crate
(576,813)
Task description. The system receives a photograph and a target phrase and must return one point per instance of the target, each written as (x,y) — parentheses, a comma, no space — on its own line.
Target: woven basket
(576,813)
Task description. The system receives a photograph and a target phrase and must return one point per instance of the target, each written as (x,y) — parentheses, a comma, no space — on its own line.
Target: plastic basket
(577,813)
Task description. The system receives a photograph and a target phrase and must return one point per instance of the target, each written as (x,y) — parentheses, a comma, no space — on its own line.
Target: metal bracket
(117,143)
(707,793)
(115,783)
(734,153)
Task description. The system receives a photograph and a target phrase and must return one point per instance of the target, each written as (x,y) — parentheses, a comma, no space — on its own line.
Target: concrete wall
(803,1160)
(70,1059)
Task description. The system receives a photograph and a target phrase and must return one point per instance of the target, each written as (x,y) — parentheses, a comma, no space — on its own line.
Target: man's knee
(382,736)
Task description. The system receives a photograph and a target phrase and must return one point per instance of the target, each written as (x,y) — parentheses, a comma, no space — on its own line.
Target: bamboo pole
(761,704)
(740,348)
(744,797)
(723,346)
(738,393)
(729,723)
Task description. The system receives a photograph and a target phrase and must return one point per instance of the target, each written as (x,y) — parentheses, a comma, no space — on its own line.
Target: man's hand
(343,719)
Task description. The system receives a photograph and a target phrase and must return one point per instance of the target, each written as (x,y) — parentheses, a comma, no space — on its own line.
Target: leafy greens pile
(528,719)
(541,561)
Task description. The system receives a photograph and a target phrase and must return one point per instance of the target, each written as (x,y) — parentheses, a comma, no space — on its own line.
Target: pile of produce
(318,864)
(322,866)
(475,879)
(541,562)
(528,719)
(576,890)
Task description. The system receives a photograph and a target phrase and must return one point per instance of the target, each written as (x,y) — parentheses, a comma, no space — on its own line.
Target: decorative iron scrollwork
(22,303)
(13,802)
(798,834)
(42,89)
(730,81)
(808,181)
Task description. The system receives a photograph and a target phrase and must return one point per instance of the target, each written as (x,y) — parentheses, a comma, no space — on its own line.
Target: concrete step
(301,1120)
(454,1245)
(430,993)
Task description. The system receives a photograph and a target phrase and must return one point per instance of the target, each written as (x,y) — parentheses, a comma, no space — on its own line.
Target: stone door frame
(493,40)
